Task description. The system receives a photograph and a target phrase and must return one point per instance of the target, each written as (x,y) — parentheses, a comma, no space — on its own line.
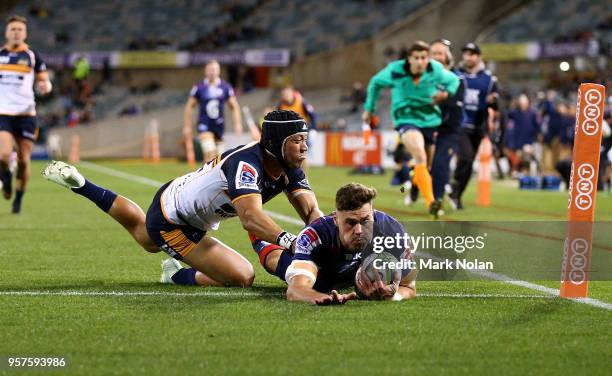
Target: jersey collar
(429,68)
(21,47)
(207,82)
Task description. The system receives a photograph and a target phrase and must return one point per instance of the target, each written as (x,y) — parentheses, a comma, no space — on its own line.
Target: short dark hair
(418,46)
(352,196)
(16,18)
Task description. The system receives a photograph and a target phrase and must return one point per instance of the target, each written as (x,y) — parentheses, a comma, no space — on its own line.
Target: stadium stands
(553,20)
(303,26)
(311,26)
(72,25)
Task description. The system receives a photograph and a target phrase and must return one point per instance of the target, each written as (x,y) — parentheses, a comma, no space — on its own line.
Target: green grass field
(74,284)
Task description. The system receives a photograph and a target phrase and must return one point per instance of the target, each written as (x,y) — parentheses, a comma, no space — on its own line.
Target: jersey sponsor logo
(307,240)
(215,91)
(472,99)
(246,176)
(304,183)
(4,59)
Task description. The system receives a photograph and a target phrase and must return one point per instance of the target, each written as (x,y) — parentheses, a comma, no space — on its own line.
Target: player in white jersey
(20,67)
(236,183)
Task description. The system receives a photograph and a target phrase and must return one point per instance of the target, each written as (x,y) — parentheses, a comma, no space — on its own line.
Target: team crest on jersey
(246,176)
(304,183)
(307,241)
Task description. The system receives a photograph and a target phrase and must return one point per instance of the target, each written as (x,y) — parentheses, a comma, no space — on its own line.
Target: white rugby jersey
(206,196)
(18,69)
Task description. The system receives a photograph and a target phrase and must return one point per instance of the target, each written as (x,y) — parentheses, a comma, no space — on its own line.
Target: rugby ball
(383,266)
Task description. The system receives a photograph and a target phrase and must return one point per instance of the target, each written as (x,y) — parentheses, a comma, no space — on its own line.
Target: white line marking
(525,284)
(121,174)
(238,294)
(288,219)
(284,218)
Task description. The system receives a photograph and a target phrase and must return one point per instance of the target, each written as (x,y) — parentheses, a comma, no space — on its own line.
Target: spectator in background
(358,96)
(292,100)
(567,115)
(81,69)
(551,125)
(80,74)
(522,130)
(107,71)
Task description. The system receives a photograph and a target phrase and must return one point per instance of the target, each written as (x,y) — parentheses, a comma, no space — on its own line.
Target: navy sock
(19,196)
(104,198)
(5,174)
(283,263)
(185,277)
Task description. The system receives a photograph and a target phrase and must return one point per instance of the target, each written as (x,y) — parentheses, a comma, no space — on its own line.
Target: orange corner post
(582,191)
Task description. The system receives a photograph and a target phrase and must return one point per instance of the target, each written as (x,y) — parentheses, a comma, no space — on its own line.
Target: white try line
(285,218)
(238,294)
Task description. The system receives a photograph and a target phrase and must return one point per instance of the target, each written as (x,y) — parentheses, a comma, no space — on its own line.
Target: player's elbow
(243,277)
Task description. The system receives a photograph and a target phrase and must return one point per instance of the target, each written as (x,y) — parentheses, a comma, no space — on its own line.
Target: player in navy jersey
(20,68)
(235,184)
(211,94)
(329,252)
(448,133)
(481,93)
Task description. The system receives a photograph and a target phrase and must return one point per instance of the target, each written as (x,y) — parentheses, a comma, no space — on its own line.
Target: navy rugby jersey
(211,99)
(319,243)
(477,87)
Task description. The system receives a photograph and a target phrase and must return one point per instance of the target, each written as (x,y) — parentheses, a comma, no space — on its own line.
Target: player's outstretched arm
(301,276)
(306,205)
(380,81)
(255,221)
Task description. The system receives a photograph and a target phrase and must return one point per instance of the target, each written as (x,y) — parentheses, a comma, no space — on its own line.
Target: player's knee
(420,157)
(208,146)
(22,169)
(244,277)
(23,164)
(145,242)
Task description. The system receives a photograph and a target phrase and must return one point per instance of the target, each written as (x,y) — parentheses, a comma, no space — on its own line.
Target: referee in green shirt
(417,85)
